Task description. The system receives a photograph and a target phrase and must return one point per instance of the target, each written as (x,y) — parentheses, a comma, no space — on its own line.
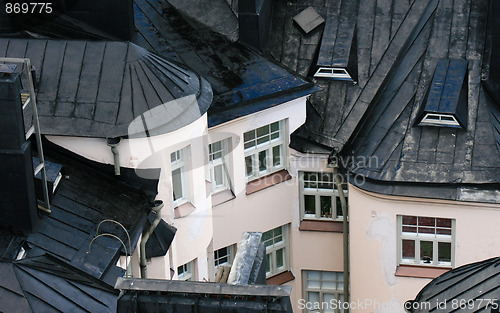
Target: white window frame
(218,158)
(439,119)
(434,238)
(252,150)
(178,161)
(218,257)
(337,292)
(318,193)
(187,271)
(274,247)
(332,72)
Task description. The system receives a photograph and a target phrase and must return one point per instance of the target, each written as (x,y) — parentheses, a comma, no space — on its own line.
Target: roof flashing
(308,19)
(445,103)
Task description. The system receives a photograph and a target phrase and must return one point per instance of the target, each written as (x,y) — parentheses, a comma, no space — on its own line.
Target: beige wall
(373,243)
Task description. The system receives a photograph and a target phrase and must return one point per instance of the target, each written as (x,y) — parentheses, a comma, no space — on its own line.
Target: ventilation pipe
(113,144)
(333,163)
(157,206)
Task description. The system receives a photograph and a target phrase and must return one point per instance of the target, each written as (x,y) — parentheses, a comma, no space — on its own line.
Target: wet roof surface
(242,80)
(398,46)
(96,89)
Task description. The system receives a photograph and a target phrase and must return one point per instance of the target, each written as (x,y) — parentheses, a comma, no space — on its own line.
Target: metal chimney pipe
(157,206)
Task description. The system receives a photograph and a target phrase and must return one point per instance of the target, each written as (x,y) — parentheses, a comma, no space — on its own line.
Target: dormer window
(445,103)
(337,58)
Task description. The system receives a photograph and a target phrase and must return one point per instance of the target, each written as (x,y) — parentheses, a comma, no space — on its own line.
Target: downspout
(113,144)
(333,162)
(157,206)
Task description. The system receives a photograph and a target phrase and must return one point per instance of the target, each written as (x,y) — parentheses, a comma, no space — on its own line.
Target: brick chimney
(18,204)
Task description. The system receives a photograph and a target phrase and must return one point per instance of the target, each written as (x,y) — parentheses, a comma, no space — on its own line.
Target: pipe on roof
(157,206)
(113,144)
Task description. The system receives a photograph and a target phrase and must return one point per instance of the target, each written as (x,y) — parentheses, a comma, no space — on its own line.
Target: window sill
(267,181)
(325,226)
(184,210)
(420,271)
(280,278)
(222,197)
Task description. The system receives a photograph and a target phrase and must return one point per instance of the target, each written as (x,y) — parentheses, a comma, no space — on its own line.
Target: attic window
(445,103)
(308,19)
(337,58)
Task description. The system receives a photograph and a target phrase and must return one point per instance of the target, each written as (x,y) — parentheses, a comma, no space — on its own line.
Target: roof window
(445,103)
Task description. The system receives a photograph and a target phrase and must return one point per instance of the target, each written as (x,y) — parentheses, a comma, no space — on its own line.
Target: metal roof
(46,284)
(465,284)
(243,81)
(399,45)
(96,89)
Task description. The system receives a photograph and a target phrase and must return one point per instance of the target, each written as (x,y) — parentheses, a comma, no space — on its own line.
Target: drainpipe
(333,162)
(157,206)
(113,144)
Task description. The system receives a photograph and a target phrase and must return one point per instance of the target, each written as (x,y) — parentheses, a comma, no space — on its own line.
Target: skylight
(445,103)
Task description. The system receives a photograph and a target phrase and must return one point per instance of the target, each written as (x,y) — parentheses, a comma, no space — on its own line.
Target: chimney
(492,81)
(18,204)
(254,18)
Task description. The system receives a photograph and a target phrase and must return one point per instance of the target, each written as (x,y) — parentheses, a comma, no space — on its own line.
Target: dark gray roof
(399,44)
(45,284)
(96,89)
(465,284)
(154,295)
(243,81)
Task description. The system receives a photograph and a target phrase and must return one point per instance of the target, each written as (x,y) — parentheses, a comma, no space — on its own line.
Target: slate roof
(398,46)
(46,284)
(465,284)
(243,81)
(96,89)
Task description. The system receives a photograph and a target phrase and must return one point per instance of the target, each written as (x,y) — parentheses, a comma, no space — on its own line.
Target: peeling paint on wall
(382,229)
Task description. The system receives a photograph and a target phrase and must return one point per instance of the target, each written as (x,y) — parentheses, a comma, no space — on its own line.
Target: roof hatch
(337,57)
(445,103)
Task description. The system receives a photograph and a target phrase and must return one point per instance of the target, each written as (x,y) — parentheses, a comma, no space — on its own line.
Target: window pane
(313,298)
(408,250)
(328,285)
(426,252)
(261,131)
(409,229)
(409,220)
(267,235)
(249,144)
(278,231)
(326,206)
(177,183)
(310,204)
(219,180)
(338,203)
(444,252)
(328,299)
(249,165)
(262,140)
(263,160)
(313,284)
(426,221)
(275,135)
(275,126)
(313,275)
(443,222)
(426,230)
(268,265)
(442,231)
(280,257)
(277,155)
(249,135)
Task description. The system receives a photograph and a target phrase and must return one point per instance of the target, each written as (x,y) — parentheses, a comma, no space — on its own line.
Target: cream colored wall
(373,243)
(194,232)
